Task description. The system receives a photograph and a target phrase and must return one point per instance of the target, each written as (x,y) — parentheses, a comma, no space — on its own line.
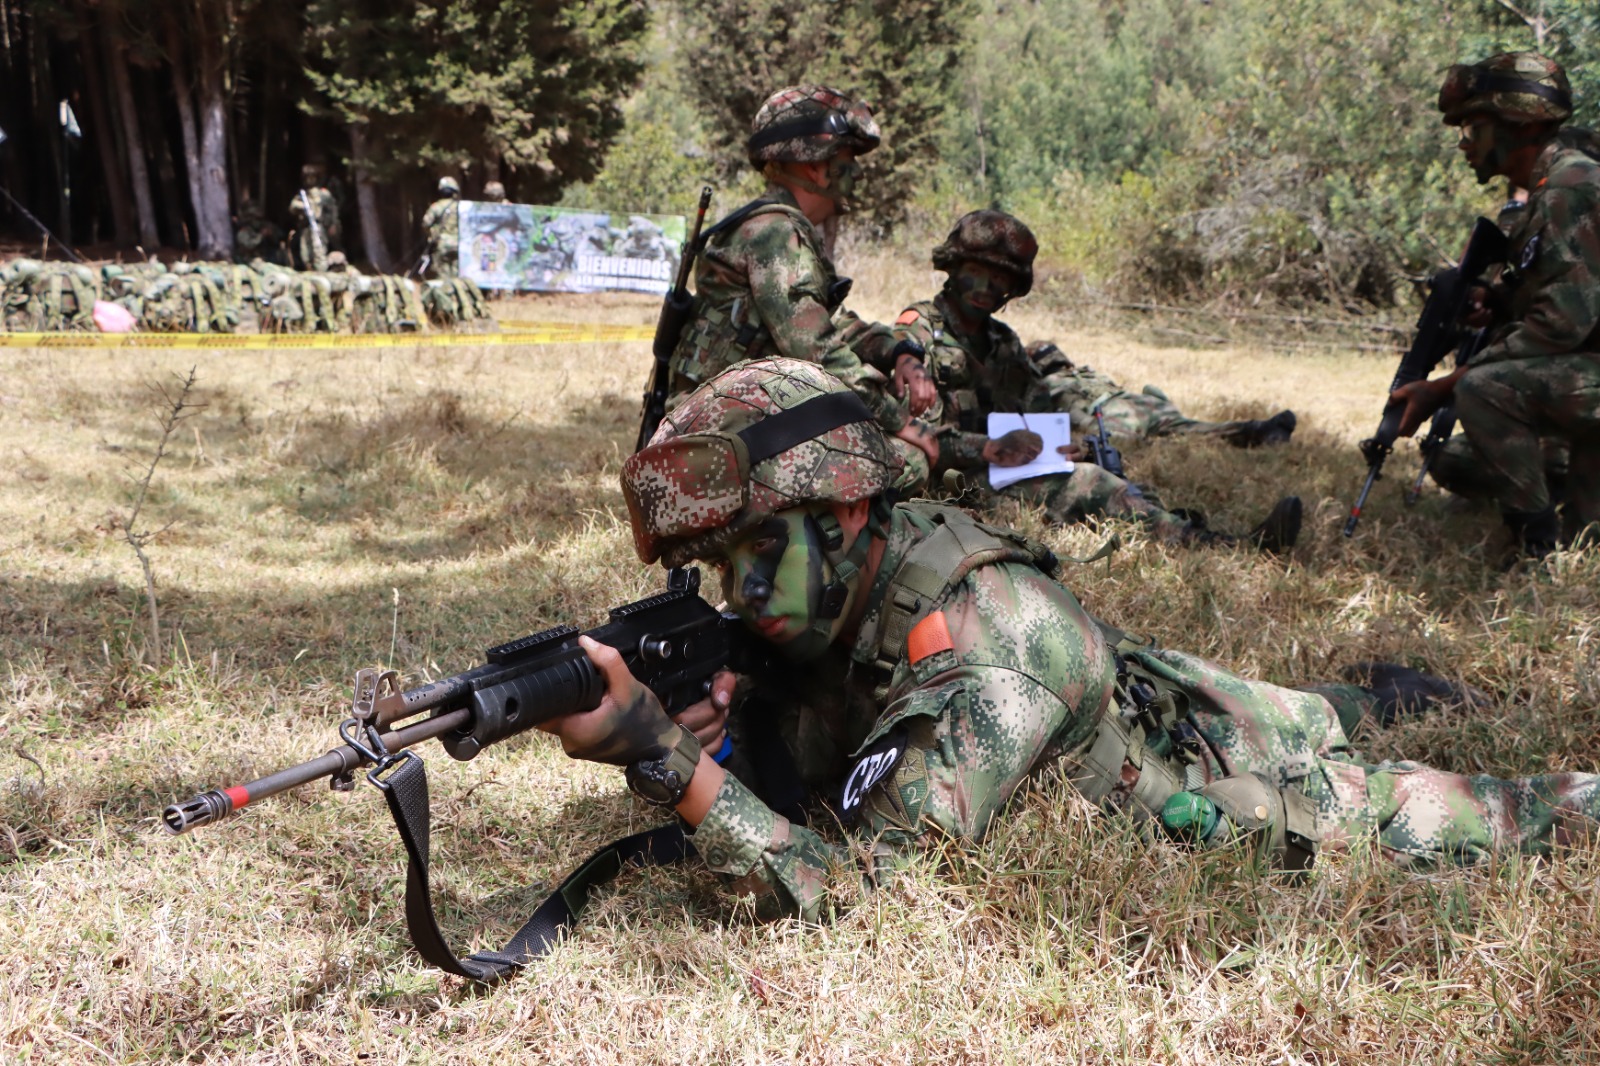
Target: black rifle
(676,310)
(673,642)
(1439,331)
(1101,451)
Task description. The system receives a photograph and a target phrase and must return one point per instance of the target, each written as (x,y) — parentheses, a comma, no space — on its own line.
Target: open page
(1056,429)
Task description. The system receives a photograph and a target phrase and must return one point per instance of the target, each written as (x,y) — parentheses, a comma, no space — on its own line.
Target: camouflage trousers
(1458,469)
(313,249)
(1088,491)
(1415,813)
(1507,409)
(1146,414)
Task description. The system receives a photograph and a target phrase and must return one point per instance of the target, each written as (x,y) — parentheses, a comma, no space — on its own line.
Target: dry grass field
(326,510)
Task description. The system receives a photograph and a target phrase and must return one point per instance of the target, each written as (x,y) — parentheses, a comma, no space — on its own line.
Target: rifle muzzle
(203,809)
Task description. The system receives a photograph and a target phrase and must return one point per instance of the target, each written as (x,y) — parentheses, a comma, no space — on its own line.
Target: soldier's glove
(629,725)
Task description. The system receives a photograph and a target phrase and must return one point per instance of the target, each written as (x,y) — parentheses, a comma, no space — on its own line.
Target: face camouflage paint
(979,289)
(777,577)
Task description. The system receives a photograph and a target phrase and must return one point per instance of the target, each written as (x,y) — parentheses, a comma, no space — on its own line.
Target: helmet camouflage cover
(449,186)
(994,238)
(1514,86)
(757,439)
(809,124)
(1047,358)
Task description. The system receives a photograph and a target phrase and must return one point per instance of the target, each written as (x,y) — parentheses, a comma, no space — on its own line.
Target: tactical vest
(730,330)
(967,393)
(1145,747)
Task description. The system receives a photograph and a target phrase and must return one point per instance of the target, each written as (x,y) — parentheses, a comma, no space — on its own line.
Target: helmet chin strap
(846,565)
(777,173)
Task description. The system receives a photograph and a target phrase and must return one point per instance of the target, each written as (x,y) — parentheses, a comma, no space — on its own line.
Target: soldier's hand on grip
(630,723)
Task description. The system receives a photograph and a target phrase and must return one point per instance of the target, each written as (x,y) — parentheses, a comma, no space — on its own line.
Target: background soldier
(1077,390)
(934,665)
(441,227)
(764,284)
(979,367)
(1538,379)
(314,213)
(254,237)
(494,193)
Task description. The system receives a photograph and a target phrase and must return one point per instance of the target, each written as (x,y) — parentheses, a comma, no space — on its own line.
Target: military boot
(1403,692)
(1281,528)
(1276,533)
(1275,430)
(1537,534)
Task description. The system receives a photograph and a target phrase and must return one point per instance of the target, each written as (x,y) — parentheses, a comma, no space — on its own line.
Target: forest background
(1280,151)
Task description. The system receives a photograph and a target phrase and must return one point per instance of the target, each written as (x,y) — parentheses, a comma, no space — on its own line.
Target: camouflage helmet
(494,192)
(757,439)
(1047,358)
(809,124)
(448,186)
(995,239)
(311,173)
(338,261)
(1518,87)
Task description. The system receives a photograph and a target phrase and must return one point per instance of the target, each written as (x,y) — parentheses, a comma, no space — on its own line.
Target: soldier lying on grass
(934,664)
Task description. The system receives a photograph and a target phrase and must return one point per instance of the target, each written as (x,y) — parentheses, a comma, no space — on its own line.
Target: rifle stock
(1439,331)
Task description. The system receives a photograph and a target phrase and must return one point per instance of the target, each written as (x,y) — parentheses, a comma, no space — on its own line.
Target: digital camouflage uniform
(1076,390)
(441,227)
(991,372)
(254,237)
(313,243)
(1536,385)
(980,670)
(765,285)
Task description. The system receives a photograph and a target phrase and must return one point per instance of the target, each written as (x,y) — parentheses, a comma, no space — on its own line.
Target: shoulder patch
(928,637)
(908,316)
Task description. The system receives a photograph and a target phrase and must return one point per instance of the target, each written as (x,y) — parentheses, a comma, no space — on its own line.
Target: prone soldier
(1079,390)
(931,665)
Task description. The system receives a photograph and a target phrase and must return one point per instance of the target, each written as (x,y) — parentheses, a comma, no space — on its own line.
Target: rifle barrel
(217,804)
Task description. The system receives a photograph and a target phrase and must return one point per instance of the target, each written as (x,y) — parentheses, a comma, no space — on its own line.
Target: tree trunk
(183,95)
(213,217)
(138,170)
(367,204)
(105,142)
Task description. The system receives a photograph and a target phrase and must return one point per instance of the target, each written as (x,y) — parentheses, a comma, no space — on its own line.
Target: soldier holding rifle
(1537,379)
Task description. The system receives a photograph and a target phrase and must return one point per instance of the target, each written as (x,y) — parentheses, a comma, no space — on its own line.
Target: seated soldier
(979,367)
(934,665)
(1078,390)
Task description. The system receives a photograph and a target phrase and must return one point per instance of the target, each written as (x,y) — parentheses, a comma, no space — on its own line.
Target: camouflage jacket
(1003,673)
(1549,294)
(766,287)
(442,224)
(975,375)
(1024,671)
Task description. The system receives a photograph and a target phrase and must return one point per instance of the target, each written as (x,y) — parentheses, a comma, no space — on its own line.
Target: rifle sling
(405,788)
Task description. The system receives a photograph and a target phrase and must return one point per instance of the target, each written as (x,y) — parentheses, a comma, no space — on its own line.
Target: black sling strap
(733,218)
(405,786)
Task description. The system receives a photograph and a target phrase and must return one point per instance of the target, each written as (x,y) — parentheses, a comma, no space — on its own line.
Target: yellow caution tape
(532,333)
